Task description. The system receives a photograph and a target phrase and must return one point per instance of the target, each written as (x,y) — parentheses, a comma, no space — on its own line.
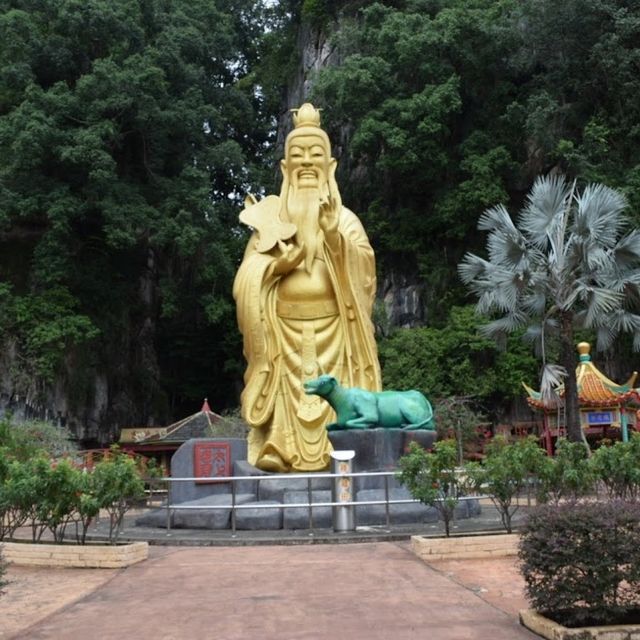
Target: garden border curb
(460,547)
(99,556)
(551,630)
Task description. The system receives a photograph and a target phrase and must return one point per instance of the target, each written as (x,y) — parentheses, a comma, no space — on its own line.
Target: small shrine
(162,442)
(607,409)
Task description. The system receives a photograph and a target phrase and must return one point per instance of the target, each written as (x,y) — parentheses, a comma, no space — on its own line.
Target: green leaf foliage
(418,92)
(618,468)
(455,360)
(117,483)
(568,476)
(24,440)
(506,472)
(581,561)
(432,477)
(128,132)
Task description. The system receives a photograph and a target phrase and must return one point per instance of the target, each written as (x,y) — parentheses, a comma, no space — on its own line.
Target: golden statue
(304,294)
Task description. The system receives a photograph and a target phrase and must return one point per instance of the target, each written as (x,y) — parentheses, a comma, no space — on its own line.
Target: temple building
(607,410)
(161,443)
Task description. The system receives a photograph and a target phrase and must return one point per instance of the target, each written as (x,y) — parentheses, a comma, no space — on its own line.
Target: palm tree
(568,263)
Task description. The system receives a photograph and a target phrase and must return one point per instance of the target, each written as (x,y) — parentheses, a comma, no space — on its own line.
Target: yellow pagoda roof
(594,388)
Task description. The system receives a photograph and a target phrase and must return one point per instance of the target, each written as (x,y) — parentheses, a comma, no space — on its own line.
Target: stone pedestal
(211,460)
(375,450)
(378,450)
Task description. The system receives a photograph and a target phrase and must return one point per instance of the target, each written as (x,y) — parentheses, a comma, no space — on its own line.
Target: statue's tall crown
(306,116)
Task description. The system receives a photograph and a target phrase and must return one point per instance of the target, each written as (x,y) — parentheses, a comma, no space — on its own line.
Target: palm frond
(598,214)
(539,335)
(626,253)
(496,219)
(551,380)
(508,249)
(534,302)
(599,302)
(500,291)
(507,324)
(544,210)
(622,320)
(605,335)
(472,268)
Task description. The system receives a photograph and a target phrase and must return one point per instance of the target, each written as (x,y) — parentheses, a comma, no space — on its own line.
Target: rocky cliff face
(403,299)
(100,386)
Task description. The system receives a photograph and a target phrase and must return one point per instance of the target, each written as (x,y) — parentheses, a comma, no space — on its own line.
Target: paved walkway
(377,590)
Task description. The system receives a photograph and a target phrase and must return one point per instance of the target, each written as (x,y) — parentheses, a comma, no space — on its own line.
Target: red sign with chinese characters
(211,461)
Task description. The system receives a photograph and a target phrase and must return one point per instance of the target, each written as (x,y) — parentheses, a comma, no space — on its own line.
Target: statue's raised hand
(328,220)
(290,257)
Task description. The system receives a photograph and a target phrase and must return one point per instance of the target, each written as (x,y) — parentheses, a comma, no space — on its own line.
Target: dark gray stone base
(398,513)
(379,449)
(182,467)
(298,518)
(196,518)
(258,518)
(375,450)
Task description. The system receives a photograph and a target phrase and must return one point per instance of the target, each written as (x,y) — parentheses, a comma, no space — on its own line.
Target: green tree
(456,361)
(505,473)
(24,440)
(567,263)
(418,96)
(433,478)
(129,132)
(568,476)
(579,104)
(117,483)
(618,468)
(456,419)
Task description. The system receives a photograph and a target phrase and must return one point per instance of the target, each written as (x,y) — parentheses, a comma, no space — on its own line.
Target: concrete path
(351,591)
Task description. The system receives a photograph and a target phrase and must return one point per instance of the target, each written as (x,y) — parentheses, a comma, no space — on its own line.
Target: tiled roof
(197,425)
(594,388)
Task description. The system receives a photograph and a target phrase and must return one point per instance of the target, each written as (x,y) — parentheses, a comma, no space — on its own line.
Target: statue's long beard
(303,207)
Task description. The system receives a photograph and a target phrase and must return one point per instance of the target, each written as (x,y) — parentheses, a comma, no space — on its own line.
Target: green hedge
(581,561)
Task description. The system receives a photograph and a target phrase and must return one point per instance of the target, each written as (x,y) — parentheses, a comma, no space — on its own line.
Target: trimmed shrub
(23,440)
(581,561)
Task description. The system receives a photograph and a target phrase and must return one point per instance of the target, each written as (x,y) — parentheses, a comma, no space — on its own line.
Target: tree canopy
(131,130)
(128,136)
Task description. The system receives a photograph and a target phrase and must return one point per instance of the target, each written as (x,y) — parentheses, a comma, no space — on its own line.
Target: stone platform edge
(551,630)
(454,548)
(96,556)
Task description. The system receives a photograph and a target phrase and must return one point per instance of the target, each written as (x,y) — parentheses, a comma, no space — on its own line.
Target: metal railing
(310,505)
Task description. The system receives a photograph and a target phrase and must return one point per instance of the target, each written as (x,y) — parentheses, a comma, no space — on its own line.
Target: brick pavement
(377,590)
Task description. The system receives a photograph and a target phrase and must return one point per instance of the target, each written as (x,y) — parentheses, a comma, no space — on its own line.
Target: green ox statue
(360,409)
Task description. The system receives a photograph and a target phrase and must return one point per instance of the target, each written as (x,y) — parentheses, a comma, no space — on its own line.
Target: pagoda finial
(205,407)
(583,349)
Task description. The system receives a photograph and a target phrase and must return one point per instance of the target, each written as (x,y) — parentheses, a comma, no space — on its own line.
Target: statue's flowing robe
(284,345)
